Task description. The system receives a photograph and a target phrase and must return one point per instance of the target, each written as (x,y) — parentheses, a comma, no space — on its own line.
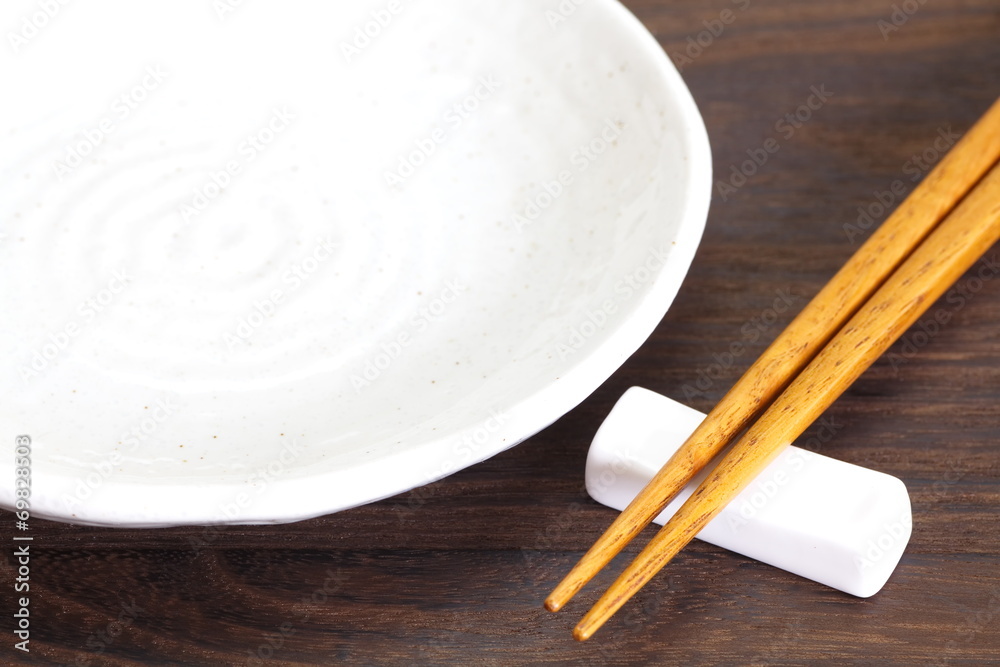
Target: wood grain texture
(951,179)
(971,229)
(454,573)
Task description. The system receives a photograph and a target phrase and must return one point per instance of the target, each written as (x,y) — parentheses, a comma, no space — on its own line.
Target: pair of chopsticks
(949,221)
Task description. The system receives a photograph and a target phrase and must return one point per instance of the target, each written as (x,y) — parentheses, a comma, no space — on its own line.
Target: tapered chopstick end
(564,591)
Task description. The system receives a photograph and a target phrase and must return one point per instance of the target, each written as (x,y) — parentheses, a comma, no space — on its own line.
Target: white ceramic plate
(266,261)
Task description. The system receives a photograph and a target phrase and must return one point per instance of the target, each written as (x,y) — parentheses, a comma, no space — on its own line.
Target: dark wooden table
(454,573)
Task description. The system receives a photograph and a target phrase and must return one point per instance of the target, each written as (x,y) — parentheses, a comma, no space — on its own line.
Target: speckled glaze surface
(288,258)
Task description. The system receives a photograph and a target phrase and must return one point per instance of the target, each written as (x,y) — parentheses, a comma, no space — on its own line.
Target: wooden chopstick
(964,236)
(884,251)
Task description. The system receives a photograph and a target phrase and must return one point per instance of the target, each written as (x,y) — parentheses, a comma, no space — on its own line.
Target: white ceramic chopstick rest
(833,522)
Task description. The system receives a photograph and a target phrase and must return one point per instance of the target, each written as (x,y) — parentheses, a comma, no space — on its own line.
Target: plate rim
(139,504)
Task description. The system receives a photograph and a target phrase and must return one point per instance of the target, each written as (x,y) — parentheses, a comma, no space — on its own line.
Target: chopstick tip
(552,604)
(582,634)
